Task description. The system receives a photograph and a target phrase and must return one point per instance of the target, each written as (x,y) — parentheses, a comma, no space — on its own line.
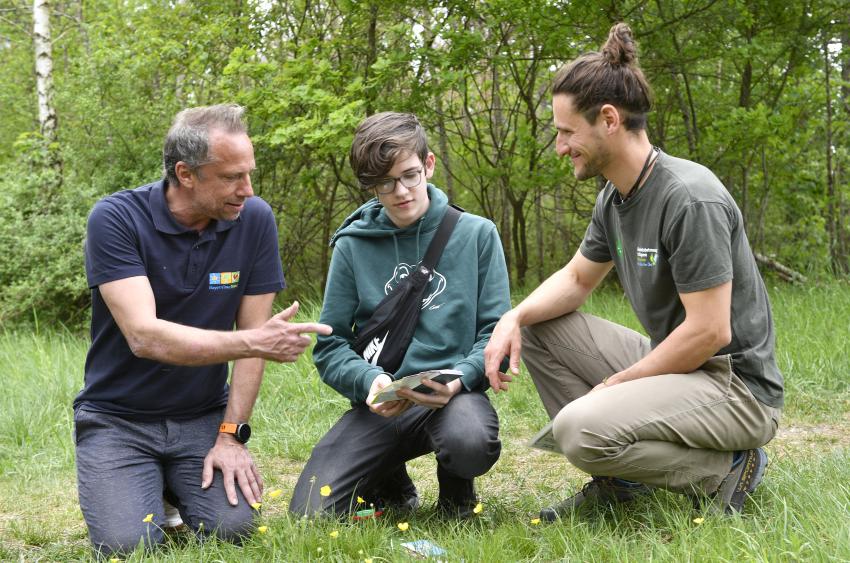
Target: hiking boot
(599,491)
(741,481)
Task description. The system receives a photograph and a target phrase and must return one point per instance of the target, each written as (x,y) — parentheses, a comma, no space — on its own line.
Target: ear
(185,175)
(611,118)
(430,162)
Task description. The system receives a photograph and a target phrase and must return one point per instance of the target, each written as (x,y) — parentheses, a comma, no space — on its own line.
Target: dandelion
(403,526)
(256,505)
(535,521)
(699,520)
(325,491)
(360,500)
(334,534)
(148,518)
(478,508)
(275,493)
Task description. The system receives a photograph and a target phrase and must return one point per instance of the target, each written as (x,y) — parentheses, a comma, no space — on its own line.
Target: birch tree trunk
(44,69)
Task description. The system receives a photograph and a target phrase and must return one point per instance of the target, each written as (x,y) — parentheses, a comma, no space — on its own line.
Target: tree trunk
(44,69)
(443,143)
(831,223)
(47,120)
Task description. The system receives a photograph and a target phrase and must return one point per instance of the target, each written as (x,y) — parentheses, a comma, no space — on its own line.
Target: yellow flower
(699,520)
(256,505)
(360,500)
(403,526)
(478,508)
(535,521)
(325,491)
(367,560)
(359,552)
(275,493)
(263,529)
(114,560)
(148,518)
(334,534)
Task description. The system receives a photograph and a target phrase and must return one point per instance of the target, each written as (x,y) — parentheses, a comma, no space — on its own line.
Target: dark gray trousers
(364,453)
(124,466)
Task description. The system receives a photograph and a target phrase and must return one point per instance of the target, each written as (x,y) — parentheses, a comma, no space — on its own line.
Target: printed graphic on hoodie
(403,270)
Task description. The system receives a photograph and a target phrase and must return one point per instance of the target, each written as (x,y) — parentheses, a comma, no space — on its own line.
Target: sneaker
(397,492)
(741,481)
(171,520)
(603,491)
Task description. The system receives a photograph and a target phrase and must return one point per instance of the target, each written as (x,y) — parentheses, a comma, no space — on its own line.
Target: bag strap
(441,238)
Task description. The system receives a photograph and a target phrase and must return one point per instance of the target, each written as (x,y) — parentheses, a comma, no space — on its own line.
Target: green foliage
(739,86)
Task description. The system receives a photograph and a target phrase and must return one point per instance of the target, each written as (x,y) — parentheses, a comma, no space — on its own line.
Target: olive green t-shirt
(682,232)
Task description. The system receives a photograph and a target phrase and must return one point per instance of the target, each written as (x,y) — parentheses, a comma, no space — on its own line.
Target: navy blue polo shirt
(198,279)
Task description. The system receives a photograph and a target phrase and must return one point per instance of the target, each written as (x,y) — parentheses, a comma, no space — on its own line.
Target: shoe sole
(753,473)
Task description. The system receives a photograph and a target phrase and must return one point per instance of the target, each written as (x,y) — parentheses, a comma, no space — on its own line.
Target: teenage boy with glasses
(364,454)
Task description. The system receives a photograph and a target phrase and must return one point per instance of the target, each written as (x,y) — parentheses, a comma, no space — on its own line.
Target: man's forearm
(558,295)
(176,344)
(244,387)
(683,351)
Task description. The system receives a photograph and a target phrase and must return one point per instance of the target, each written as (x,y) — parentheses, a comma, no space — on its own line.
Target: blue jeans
(364,454)
(125,466)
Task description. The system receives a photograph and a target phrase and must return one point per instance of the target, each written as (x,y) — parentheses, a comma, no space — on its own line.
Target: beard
(596,157)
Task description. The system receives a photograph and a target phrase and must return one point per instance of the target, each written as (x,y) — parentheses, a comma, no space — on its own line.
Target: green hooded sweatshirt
(466,296)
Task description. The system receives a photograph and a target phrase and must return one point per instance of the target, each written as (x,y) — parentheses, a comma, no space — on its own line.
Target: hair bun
(620,49)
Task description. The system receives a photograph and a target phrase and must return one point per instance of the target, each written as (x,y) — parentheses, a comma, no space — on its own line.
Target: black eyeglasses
(409,179)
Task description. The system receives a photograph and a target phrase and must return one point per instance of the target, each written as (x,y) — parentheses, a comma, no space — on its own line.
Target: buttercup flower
(699,520)
(334,534)
(478,508)
(275,493)
(114,560)
(403,526)
(263,529)
(360,500)
(256,505)
(325,491)
(535,521)
(368,560)
(148,518)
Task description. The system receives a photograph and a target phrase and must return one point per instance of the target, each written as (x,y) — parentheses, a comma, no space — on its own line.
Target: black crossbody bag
(385,337)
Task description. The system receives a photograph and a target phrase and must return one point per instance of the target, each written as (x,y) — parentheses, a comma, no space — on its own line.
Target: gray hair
(188,138)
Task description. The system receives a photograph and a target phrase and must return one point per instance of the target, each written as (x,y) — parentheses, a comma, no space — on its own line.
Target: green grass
(799,513)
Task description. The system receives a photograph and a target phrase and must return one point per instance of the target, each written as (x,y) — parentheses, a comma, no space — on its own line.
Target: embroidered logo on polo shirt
(647,257)
(223,280)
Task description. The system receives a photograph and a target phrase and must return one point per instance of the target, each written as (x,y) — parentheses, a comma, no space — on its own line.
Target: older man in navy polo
(174,266)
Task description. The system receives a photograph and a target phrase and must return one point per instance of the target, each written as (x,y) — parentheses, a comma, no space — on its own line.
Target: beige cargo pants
(676,431)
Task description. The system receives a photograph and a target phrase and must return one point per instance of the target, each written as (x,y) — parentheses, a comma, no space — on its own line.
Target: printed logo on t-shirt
(647,257)
(223,280)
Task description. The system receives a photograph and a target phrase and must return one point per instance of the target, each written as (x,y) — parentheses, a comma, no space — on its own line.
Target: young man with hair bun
(689,408)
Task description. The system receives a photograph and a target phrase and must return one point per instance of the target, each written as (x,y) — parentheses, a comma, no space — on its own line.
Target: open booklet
(414,382)
(545,440)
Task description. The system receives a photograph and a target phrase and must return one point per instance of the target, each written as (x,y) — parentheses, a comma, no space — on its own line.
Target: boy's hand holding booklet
(414,382)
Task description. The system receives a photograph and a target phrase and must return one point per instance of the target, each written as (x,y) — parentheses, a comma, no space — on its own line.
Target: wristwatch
(240,431)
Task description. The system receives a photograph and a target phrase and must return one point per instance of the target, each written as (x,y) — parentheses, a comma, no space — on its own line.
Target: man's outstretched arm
(563,292)
(132,305)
